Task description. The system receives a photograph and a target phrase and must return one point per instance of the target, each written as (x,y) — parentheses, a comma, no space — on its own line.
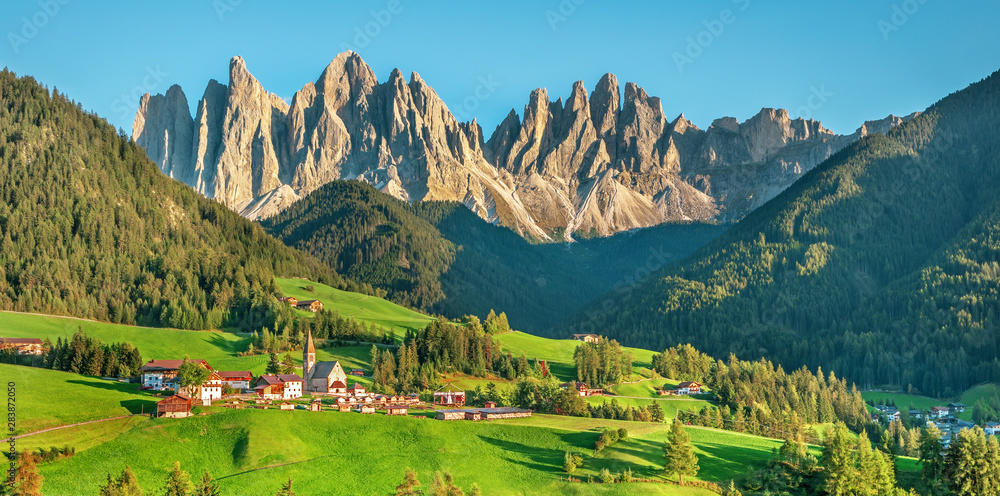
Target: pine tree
(678,453)
(273,367)
(128,484)
(839,474)
(286,490)
(207,486)
(287,364)
(27,480)
(409,486)
(968,465)
(178,483)
(932,464)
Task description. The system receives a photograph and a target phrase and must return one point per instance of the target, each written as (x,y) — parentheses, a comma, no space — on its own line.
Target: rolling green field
(969,398)
(252,452)
(355,305)
(49,398)
(670,407)
(903,401)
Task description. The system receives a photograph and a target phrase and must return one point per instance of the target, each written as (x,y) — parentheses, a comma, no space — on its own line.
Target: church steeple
(308,360)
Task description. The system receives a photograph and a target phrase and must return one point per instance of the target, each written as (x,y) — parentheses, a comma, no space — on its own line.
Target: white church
(321,377)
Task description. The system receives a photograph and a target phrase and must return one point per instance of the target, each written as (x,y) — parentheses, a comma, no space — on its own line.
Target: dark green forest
(881,264)
(441,258)
(89,227)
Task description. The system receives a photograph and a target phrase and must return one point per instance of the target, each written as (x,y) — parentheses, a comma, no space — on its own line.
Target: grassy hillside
(48,398)
(90,227)
(368,454)
(357,306)
(559,353)
(879,264)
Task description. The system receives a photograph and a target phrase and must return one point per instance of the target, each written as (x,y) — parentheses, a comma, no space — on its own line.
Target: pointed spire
(309,343)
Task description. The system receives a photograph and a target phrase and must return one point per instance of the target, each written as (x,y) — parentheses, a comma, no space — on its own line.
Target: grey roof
(324,369)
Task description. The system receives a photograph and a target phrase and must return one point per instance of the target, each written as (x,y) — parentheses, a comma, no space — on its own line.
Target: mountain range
(592,165)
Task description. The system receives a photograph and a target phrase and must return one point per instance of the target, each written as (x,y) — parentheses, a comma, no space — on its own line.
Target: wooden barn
(366,409)
(396,410)
(310,305)
(504,413)
(176,406)
(473,415)
(449,395)
(450,415)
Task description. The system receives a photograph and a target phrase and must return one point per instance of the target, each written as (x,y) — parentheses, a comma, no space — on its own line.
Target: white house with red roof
(688,387)
(321,377)
(208,391)
(157,374)
(237,379)
(279,387)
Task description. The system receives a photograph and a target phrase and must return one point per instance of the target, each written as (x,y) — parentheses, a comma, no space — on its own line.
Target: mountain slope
(880,263)
(595,164)
(441,257)
(90,228)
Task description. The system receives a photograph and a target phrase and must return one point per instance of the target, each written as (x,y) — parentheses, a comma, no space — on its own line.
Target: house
(358,372)
(915,414)
(490,404)
(356,390)
(412,398)
(206,392)
(449,395)
(176,406)
(286,406)
(890,412)
(991,428)
(156,374)
(587,338)
(291,300)
(238,379)
(366,409)
(939,411)
(396,410)
(338,387)
(343,407)
(23,346)
(316,406)
(310,305)
(582,389)
(278,387)
(688,387)
(320,377)
(954,408)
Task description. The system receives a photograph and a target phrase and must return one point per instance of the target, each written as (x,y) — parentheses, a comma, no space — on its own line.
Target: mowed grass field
(48,398)
(903,401)
(252,452)
(355,305)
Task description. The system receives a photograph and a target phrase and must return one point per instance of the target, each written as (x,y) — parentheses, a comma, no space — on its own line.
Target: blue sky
(839,62)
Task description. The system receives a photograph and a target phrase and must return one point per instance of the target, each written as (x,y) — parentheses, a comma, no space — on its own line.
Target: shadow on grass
(541,459)
(139,406)
(216,339)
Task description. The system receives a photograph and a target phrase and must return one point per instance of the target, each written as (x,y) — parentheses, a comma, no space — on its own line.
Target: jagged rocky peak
(602,162)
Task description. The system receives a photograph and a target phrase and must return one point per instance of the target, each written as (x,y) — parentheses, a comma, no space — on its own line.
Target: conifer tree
(678,453)
(207,486)
(286,490)
(27,480)
(409,486)
(178,483)
(840,474)
(128,484)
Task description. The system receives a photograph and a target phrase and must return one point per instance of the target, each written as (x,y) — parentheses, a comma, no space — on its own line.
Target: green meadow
(558,353)
(369,309)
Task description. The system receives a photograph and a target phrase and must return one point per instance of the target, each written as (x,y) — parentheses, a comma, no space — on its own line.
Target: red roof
(355,386)
(169,365)
(20,341)
(338,384)
(687,384)
(279,379)
(235,374)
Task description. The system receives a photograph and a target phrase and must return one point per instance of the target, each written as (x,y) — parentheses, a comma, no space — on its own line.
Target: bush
(571,461)
(606,476)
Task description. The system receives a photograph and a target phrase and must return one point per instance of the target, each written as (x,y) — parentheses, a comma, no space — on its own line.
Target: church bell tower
(308,362)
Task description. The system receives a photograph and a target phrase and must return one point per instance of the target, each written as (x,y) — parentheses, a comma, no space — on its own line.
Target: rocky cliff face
(594,164)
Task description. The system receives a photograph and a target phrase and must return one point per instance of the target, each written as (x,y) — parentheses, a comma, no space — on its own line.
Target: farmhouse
(238,379)
(396,410)
(449,395)
(587,338)
(157,373)
(310,305)
(954,408)
(320,377)
(278,387)
(991,428)
(291,300)
(939,411)
(23,346)
(207,391)
(358,372)
(582,389)
(688,387)
(176,406)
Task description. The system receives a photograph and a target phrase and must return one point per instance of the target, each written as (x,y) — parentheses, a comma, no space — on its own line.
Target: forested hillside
(881,264)
(440,257)
(89,227)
